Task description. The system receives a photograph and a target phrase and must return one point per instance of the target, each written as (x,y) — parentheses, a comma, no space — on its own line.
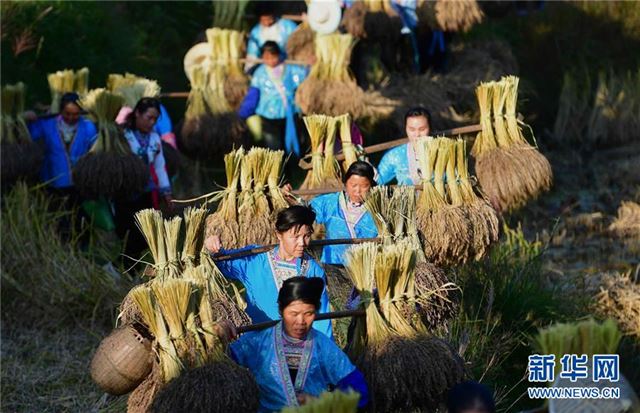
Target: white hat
(324,16)
(198,55)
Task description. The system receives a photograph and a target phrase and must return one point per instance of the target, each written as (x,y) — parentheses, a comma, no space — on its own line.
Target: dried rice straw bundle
(440,301)
(627,223)
(330,89)
(317,127)
(278,201)
(348,148)
(225,221)
(619,297)
(21,157)
(194,219)
(65,81)
(484,220)
(389,343)
(330,167)
(109,169)
(450,15)
(301,44)
(510,170)
(255,213)
(136,88)
(229,84)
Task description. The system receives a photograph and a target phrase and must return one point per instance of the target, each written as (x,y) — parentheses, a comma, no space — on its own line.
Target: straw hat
(324,16)
(200,54)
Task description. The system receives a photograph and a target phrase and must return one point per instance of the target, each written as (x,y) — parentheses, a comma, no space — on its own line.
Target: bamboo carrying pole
(315,243)
(325,316)
(319,191)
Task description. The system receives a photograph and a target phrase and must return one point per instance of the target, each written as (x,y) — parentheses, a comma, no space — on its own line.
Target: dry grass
(619,297)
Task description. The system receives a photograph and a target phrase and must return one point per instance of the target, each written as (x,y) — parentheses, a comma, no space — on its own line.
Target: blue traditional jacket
(395,164)
(322,366)
(58,162)
(262,281)
(330,212)
(257,38)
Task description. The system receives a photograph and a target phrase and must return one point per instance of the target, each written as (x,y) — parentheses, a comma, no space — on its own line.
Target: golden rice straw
(278,200)
(136,89)
(499,97)
(330,168)
(146,221)
(485,140)
(194,219)
(317,127)
(172,234)
(152,317)
(259,225)
(348,149)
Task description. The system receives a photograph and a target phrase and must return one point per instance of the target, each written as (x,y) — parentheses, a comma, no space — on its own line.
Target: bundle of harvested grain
(109,169)
(64,81)
(353,19)
(250,200)
(627,223)
(433,286)
(229,14)
(325,171)
(301,44)
(390,345)
(510,171)
(619,297)
(330,89)
(21,157)
(132,88)
(211,125)
(450,15)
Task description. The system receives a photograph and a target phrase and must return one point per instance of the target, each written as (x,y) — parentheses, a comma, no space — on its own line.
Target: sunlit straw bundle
(109,169)
(194,219)
(619,297)
(450,15)
(330,89)
(390,345)
(21,157)
(133,88)
(627,223)
(301,44)
(65,81)
(510,171)
(325,171)
(254,211)
(348,148)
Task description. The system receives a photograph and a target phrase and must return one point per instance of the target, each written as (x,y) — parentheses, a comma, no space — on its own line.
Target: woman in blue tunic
(269,28)
(400,162)
(343,213)
(272,97)
(66,138)
(291,362)
(263,274)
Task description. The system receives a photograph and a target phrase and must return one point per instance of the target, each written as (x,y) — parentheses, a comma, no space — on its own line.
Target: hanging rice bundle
(250,200)
(450,15)
(255,212)
(135,89)
(229,84)
(197,126)
(21,157)
(65,81)
(510,171)
(330,167)
(229,14)
(317,126)
(405,369)
(619,297)
(348,148)
(330,89)
(109,169)
(335,401)
(433,287)
(194,219)
(225,221)
(444,224)
(301,44)
(627,223)
(353,19)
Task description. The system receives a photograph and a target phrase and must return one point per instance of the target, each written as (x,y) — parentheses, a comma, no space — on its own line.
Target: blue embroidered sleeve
(318,205)
(355,381)
(386,168)
(250,103)
(235,269)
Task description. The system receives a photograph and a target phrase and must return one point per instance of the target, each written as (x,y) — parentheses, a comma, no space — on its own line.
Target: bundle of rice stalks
(194,219)
(510,171)
(325,172)
(133,88)
(348,148)
(585,337)
(21,157)
(390,345)
(394,214)
(450,15)
(250,200)
(619,298)
(301,44)
(627,223)
(444,224)
(329,402)
(433,286)
(353,19)
(211,126)
(330,89)
(109,169)
(64,81)
(204,389)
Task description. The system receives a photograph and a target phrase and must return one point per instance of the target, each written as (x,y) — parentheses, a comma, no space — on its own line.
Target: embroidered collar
(292,389)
